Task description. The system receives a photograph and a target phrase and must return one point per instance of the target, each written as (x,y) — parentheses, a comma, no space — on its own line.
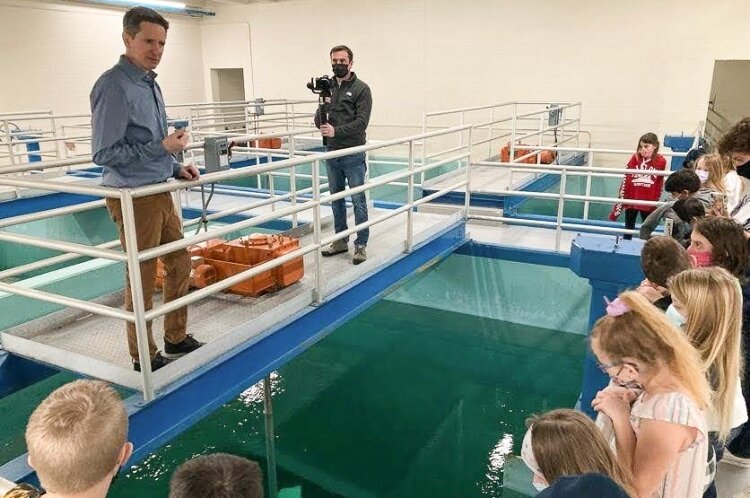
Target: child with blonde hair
(711,169)
(662,436)
(77,439)
(567,443)
(707,304)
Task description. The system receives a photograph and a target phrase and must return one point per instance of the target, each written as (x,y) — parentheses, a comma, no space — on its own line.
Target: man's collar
(134,71)
(349,77)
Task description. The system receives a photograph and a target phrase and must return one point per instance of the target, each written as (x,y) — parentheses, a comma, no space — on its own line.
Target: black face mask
(340,70)
(744,170)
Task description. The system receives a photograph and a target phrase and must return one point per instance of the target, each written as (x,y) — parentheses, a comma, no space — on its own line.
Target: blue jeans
(352,169)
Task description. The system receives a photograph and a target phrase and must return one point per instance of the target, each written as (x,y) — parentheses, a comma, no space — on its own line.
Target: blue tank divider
(519,255)
(276,225)
(17,373)
(201,392)
(610,268)
(26,205)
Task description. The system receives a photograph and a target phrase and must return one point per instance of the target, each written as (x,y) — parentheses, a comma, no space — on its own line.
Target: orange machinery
(546,156)
(217,259)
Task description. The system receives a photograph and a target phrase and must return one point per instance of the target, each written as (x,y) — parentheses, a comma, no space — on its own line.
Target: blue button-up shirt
(128,124)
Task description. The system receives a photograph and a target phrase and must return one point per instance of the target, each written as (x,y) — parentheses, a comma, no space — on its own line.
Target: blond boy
(77,440)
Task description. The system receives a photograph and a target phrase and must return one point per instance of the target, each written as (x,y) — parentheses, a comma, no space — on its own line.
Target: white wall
(53,53)
(225,46)
(637,66)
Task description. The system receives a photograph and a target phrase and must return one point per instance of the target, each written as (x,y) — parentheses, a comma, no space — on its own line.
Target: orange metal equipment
(545,156)
(217,259)
(267,143)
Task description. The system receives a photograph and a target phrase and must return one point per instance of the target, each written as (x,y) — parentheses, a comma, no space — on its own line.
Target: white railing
(315,198)
(564,171)
(511,123)
(63,136)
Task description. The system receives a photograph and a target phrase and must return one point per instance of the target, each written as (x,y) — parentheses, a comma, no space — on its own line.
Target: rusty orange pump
(217,259)
(545,156)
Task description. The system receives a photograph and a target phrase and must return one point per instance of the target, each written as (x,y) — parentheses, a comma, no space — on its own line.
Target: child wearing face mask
(707,305)
(735,144)
(641,186)
(719,242)
(662,436)
(710,169)
(567,443)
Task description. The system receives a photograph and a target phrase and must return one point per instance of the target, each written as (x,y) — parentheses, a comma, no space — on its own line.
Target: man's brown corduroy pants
(156,223)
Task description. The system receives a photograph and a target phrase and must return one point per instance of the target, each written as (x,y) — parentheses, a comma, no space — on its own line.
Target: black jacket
(348,113)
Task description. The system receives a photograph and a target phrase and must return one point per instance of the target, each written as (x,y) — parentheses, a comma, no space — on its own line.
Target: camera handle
(323,107)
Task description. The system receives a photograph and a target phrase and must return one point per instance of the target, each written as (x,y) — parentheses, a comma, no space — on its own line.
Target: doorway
(729,100)
(228,85)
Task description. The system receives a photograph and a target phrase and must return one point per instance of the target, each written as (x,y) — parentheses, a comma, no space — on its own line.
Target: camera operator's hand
(176,142)
(327,130)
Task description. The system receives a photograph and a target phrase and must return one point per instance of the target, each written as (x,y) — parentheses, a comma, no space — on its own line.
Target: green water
(402,401)
(576,185)
(377,167)
(16,409)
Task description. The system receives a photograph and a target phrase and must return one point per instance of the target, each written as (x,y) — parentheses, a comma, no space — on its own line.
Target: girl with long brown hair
(566,443)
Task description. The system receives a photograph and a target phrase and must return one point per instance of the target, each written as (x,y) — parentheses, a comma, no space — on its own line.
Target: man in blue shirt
(131,143)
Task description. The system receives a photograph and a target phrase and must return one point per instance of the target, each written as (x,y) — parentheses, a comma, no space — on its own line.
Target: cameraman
(348,116)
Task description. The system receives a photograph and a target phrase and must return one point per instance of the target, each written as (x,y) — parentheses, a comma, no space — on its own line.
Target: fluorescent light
(157,3)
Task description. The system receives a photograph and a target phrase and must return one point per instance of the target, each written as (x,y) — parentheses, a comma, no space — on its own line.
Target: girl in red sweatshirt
(641,187)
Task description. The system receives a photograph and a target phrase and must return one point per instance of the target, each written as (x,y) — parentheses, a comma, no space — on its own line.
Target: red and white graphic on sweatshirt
(642,186)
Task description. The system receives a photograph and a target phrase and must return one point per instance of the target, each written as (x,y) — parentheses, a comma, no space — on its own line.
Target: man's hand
(327,130)
(176,142)
(189,172)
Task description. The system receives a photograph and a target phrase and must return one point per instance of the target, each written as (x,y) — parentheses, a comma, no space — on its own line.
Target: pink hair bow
(616,307)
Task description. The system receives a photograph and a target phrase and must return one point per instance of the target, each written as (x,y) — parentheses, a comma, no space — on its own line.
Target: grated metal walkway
(96,346)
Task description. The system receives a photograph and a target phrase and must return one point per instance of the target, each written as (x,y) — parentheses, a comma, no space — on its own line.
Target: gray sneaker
(360,255)
(337,247)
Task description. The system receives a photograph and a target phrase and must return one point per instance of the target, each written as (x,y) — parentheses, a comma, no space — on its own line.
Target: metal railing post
(539,142)
(424,151)
(560,133)
(410,200)
(58,143)
(513,135)
(586,203)
(467,197)
(270,438)
(293,181)
(560,209)
(318,291)
(578,124)
(136,289)
(271,189)
(9,141)
(489,135)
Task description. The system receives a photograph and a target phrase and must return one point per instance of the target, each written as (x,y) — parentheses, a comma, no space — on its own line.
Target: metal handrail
(139,315)
(565,170)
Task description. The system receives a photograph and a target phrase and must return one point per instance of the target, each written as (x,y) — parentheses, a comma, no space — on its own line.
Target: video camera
(321,85)
(322,88)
